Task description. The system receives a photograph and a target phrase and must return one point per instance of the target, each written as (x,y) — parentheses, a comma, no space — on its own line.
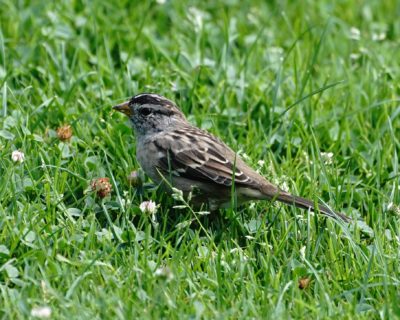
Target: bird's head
(150,112)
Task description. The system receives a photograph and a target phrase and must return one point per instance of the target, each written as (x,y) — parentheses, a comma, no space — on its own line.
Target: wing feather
(206,159)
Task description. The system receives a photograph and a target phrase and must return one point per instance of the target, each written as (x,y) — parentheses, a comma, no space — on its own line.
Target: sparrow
(170,149)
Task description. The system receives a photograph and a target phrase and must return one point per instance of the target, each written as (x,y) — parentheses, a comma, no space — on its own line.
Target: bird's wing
(200,156)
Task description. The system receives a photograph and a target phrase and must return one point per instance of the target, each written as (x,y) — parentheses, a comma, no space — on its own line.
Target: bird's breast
(148,157)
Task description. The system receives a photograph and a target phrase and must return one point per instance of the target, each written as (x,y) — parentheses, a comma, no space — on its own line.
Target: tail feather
(309,205)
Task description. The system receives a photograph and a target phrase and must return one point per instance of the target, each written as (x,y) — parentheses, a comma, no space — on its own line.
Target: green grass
(282,82)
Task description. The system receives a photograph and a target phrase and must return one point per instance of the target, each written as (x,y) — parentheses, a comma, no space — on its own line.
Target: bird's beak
(124,108)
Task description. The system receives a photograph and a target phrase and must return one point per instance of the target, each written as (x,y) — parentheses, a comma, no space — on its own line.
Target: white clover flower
(43,312)
(327,157)
(393,208)
(261,163)
(379,36)
(149,207)
(355,34)
(164,272)
(17,156)
(284,186)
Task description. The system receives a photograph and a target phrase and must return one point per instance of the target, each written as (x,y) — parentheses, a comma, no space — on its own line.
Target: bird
(172,151)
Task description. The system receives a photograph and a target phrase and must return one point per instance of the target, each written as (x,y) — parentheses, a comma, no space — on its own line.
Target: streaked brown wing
(199,156)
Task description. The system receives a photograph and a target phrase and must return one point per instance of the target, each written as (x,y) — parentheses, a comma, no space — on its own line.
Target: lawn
(308,93)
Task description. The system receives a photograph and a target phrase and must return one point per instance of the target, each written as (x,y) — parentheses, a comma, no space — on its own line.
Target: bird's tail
(309,205)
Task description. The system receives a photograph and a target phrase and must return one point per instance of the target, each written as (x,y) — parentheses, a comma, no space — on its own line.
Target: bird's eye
(145,111)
